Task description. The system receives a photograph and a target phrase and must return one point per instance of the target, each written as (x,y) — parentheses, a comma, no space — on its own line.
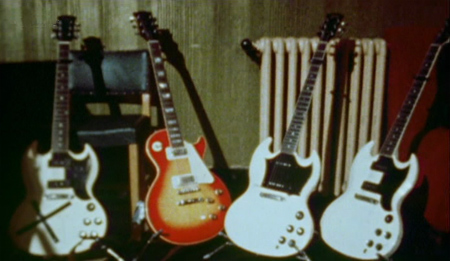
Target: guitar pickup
(183,180)
(184,202)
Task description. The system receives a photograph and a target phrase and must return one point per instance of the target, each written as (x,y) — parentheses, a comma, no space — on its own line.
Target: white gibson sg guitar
(365,221)
(60,214)
(272,217)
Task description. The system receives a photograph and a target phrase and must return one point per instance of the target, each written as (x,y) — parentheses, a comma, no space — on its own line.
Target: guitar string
(275,175)
(180,165)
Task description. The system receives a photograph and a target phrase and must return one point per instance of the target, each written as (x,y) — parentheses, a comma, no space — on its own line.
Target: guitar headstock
(145,24)
(332,26)
(444,36)
(65,28)
(93,50)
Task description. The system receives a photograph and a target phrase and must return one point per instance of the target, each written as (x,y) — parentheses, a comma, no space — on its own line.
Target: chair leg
(133,165)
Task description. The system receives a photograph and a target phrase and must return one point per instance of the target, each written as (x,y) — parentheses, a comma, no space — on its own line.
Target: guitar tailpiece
(209,255)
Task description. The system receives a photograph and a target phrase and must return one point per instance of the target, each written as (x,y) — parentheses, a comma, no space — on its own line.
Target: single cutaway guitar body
(186,202)
(272,218)
(368,212)
(60,214)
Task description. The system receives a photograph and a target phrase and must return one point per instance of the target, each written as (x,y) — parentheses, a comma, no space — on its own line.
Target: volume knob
(290,228)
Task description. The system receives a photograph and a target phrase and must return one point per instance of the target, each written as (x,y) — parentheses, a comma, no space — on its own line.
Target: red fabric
(434,163)
(408,47)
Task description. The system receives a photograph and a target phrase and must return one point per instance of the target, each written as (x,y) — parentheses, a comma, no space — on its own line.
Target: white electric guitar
(272,217)
(60,214)
(365,221)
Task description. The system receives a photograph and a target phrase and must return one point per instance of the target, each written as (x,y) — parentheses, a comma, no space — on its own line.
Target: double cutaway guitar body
(365,221)
(186,202)
(272,218)
(60,214)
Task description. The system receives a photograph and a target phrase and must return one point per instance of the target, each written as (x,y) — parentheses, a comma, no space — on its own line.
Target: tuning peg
(132,19)
(343,24)
(53,35)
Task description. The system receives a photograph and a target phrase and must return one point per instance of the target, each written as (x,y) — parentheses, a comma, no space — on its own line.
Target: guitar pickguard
(391,181)
(273,220)
(76,173)
(186,202)
(284,174)
(370,229)
(53,220)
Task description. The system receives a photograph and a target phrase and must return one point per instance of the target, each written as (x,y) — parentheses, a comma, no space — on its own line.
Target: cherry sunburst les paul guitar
(365,221)
(186,202)
(60,214)
(272,217)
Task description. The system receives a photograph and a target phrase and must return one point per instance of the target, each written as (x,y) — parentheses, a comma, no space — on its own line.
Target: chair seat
(107,131)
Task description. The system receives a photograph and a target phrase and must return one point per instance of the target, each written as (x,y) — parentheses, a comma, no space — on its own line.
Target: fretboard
(290,140)
(396,132)
(165,97)
(61,103)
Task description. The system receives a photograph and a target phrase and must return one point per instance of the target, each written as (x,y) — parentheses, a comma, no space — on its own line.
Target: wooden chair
(111,100)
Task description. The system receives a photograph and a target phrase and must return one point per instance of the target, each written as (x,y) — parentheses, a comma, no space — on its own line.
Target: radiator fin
(284,67)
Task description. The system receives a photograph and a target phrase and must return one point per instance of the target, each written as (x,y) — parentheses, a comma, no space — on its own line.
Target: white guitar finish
(365,221)
(270,222)
(359,228)
(77,223)
(198,170)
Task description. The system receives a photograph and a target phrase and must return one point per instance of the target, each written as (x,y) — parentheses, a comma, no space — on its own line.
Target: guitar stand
(384,258)
(149,241)
(302,256)
(139,213)
(108,250)
(227,243)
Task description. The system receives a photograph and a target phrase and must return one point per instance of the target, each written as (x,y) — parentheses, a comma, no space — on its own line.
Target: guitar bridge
(188,190)
(271,196)
(58,196)
(59,184)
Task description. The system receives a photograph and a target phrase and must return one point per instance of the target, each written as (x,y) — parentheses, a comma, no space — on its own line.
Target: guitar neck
(61,103)
(396,132)
(165,97)
(290,140)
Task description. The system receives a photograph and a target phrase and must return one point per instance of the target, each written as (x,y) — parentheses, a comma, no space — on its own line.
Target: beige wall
(209,33)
